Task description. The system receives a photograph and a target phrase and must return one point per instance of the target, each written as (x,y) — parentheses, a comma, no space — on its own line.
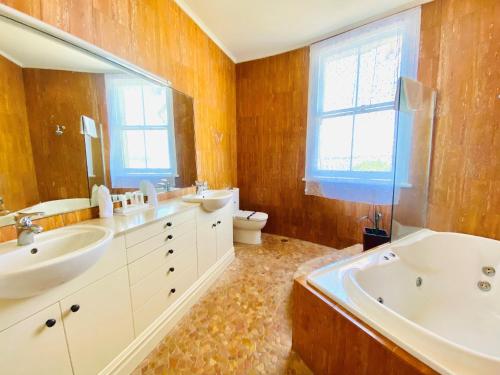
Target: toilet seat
(250,215)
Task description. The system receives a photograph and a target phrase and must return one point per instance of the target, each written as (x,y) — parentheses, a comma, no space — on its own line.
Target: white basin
(211,200)
(54,258)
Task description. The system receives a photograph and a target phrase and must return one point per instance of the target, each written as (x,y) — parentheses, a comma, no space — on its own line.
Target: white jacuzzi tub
(447,322)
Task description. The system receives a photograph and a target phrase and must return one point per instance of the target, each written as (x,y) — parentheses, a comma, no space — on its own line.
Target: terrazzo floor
(243,324)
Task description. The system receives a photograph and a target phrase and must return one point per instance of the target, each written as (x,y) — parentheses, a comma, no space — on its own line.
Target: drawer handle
(171,269)
(169,224)
(75,308)
(51,323)
(172,291)
(219,222)
(169,252)
(169,237)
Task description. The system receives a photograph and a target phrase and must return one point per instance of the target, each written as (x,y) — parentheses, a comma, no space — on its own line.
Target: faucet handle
(23,219)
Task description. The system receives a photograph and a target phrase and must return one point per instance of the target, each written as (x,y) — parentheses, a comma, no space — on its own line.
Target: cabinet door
(206,238)
(35,345)
(98,322)
(224,231)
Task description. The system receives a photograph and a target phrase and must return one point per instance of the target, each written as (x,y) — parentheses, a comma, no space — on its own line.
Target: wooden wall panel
(272,123)
(459,56)
(461,39)
(158,36)
(18,184)
(55,97)
(184,135)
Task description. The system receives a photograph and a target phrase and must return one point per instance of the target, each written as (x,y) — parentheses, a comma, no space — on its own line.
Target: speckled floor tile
(243,324)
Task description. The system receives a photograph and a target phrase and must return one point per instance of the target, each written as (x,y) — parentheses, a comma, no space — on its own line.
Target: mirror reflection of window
(141,130)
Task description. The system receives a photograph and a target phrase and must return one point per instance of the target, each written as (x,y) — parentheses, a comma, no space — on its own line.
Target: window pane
(155,103)
(132,105)
(339,81)
(157,149)
(373,142)
(334,143)
(379,71)
(133,149)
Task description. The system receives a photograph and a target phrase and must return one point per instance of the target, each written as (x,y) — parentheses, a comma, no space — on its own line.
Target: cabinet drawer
(146,288)
(154,242)
(144,266)
(147,231)
(157,304)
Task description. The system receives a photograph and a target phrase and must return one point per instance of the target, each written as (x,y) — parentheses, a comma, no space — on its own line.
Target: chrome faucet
(201,186)
(25,228)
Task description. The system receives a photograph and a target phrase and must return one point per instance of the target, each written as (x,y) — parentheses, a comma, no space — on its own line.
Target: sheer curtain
(352,109)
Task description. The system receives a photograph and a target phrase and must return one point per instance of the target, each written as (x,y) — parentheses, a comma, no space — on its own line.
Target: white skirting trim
(143,344)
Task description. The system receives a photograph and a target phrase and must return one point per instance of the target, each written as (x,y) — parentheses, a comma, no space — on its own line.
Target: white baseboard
(143,344)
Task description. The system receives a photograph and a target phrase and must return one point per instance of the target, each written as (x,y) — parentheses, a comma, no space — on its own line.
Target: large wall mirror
(72,119)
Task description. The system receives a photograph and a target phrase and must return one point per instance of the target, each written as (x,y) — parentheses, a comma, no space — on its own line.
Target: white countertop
(121,224)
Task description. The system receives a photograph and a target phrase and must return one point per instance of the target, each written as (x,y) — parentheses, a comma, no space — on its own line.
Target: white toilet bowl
(247,226)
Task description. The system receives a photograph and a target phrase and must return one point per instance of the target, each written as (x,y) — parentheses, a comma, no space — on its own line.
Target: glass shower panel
(416,105)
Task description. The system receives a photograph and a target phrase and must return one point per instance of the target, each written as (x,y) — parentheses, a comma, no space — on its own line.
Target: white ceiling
(251,29)
(31,49)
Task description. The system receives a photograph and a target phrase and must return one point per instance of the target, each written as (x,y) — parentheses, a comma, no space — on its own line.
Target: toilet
(247,225)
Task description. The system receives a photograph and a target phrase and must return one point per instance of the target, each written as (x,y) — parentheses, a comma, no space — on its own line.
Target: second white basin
(210,200)
(54,258)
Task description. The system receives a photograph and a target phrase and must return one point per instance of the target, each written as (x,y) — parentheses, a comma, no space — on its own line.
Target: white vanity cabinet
(98,322)
(35,345)
(162,265)
(112,314)
(214,236)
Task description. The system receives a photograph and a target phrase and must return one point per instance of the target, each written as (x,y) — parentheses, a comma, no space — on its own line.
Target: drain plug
(418,282)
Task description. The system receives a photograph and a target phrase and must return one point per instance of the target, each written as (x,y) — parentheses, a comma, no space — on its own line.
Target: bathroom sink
(54,258)
(210,200)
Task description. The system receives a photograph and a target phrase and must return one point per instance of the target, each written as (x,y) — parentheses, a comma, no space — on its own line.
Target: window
(142,131)
(352,99)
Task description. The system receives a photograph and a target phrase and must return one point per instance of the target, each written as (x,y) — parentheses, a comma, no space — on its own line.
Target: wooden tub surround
(332,341)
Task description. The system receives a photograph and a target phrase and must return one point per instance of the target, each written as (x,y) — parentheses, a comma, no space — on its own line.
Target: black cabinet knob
(169,224)
(169,237)
(172,291)
(171,269)
(170,252)
(214,225)
(50,323)
(218,222)
(75,308)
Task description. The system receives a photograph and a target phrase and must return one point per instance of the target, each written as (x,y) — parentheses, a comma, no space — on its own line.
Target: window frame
(121,174)
(402,130)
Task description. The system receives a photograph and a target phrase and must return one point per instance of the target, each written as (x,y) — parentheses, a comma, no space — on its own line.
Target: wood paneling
(332,341)
(272,123)
(184,139)
(56,97)
(459,55)
(18,184)
(158,36)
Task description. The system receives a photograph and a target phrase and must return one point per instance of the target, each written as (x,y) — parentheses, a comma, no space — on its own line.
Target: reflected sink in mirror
(210,200)
(54,258)
(49,208)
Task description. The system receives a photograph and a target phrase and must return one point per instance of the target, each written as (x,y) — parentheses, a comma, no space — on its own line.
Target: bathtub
(423,293)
